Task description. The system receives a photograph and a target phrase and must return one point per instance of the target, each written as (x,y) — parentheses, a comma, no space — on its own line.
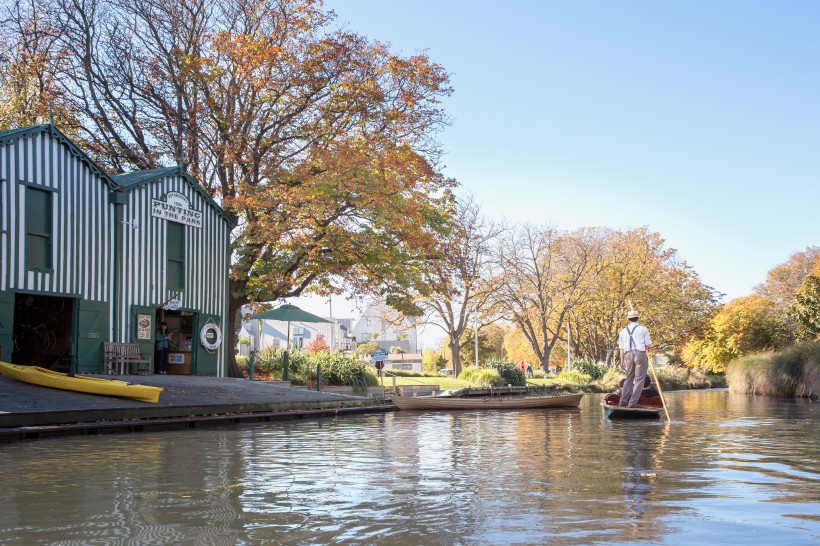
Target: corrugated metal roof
(132,181)
(141,177)
(12,134)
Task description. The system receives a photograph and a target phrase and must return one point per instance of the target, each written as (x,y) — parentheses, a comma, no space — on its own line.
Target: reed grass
(794,372)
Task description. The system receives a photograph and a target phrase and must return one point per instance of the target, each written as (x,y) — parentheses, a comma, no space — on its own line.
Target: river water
(729,469)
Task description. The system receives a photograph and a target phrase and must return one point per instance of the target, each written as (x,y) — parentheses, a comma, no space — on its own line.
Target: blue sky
(698,119)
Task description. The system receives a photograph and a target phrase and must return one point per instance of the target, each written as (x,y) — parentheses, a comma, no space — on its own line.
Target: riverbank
(30,411)
(794,372)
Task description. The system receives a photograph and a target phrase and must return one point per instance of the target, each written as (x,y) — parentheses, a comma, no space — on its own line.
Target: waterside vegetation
(338,369)
(793,372)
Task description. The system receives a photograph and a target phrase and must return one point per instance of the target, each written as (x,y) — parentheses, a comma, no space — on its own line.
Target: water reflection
(734,468)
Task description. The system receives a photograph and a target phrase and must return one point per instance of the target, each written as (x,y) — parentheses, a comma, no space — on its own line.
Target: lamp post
(475,335)
(332,325)
(569,346)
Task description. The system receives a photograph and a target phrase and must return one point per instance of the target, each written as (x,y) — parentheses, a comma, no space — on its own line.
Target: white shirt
(640,338)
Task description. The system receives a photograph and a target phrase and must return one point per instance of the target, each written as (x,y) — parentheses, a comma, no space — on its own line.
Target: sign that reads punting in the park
(175,207)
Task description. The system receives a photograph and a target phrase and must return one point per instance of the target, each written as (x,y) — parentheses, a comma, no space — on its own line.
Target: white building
(387,327)
(274,333)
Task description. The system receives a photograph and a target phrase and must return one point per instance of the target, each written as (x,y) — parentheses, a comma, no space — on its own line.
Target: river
(729,469)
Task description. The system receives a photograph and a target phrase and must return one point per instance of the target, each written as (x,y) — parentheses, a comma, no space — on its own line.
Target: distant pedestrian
(633,342)
(529,369)
(521,366)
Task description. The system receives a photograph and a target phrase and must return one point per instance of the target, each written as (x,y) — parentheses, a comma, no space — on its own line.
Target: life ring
(210,330)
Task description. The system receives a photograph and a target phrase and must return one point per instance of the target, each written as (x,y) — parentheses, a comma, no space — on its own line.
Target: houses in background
(386,327)
(274,333)
(378,323)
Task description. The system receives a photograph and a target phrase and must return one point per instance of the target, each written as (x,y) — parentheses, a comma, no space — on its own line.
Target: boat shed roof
(138,179)
(11,135)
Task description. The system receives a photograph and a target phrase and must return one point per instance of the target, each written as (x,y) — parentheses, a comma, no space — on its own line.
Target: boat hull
(485,403)
(90,385)
(621,412)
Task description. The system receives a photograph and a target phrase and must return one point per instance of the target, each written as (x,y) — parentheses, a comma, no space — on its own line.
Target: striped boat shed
(86,257)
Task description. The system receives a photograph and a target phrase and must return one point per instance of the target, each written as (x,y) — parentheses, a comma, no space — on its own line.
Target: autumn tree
(784,280)
(31,57)
(639,270)
(743,326)
(545,273)
(805,309)
(790,288)
(432,361)
(318,345)
(454,291)
(319,143)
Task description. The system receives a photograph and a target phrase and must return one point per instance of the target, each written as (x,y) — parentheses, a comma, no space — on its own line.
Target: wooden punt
(91,385)
(486,402)
(622,412)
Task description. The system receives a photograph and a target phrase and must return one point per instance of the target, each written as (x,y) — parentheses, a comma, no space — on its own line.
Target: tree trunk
(456,357)
(234,306)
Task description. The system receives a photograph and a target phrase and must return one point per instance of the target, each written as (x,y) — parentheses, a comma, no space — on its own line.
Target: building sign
(176,358)
(143,326)
(176,208)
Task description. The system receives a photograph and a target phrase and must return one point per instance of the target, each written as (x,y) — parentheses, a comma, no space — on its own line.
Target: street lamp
(569,345)
(475,335)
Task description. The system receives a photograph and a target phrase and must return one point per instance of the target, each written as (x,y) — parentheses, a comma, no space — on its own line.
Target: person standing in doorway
(633,342)
(162,345)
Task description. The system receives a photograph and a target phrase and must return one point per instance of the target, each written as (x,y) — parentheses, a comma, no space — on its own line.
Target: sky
(700,120)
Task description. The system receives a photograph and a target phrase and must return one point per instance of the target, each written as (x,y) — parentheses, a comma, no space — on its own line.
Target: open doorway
(181,325)
(42,331)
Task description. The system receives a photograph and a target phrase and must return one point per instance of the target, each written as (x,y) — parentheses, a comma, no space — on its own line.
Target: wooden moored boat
(91,385)
(449,402)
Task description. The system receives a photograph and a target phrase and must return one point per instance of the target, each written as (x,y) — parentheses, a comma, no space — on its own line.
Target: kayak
(91,385)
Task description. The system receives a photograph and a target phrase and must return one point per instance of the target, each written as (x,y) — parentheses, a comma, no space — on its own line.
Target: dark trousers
(160,360)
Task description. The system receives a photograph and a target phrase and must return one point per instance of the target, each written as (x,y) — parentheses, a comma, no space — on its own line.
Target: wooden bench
(119,358)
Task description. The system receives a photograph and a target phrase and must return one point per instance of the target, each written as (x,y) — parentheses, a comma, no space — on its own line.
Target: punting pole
(658,383)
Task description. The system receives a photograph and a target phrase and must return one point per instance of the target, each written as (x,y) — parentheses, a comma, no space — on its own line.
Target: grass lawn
(444,383)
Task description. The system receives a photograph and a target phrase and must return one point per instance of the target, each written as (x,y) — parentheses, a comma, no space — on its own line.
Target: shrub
(318,345)
(587,367)
(510,373)
(368,348)
(574,376)
(481,377)
(339,369)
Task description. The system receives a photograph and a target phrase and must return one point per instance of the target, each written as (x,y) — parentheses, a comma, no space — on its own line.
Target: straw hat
(632,314)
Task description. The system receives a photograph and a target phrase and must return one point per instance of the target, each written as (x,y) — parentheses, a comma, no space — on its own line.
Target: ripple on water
(746,471)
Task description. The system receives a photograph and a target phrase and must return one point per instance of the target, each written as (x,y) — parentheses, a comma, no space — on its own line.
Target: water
(730,469)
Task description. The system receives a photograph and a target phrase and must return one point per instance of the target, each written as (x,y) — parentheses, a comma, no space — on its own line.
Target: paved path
(185,399)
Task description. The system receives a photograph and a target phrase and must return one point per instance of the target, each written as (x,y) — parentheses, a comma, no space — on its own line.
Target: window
(38,229)
(175,252)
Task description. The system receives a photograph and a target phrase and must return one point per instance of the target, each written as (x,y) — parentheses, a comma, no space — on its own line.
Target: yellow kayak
(92,385)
